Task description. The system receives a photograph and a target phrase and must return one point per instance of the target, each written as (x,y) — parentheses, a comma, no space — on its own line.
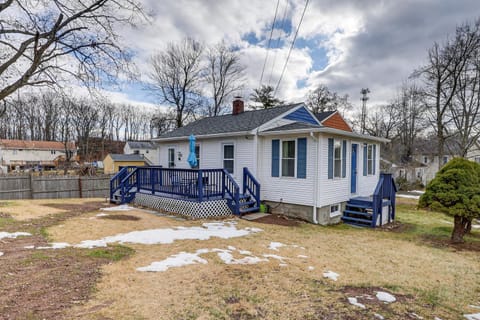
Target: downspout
(315,182)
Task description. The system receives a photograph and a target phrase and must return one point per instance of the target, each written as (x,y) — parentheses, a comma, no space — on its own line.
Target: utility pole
(364,99)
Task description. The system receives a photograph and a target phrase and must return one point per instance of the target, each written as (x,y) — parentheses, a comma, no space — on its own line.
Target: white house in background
(23,154)
(473,153)
(146,148)
(308,165)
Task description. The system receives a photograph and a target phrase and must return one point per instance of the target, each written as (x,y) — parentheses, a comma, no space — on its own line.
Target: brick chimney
(238,106)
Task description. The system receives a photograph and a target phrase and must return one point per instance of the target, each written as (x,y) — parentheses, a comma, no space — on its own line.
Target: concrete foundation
(305,212)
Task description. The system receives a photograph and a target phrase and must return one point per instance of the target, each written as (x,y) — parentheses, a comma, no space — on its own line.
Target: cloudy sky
(346,45)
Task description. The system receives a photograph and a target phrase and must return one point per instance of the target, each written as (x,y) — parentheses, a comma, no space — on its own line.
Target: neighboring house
(146,148)
(113,162)
(24,154)
(474,153)
(308,165)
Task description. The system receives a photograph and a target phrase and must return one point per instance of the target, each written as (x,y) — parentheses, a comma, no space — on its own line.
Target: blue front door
(353,181)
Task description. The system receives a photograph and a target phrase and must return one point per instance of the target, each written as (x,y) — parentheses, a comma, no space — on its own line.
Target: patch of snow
(123,207)
(474,307)
(13,234)
(99,215)
(416,316)
(354,301)
(177,260)
(378,316)
(331,275)
(418,191)
(408,196)
(231,248)
(476,226)
(245,252)
(1,253)
(311,268)
(29,247)
(227,257)
(275,245)
(437,318)
(55,245)
(282,264)
(385,297)
(475,316)
(274,256)
(166,236)
(302,256)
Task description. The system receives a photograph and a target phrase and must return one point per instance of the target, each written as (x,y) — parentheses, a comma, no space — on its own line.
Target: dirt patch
(124,217)
(78,207)
(279,220)
(438,242)
(397,227)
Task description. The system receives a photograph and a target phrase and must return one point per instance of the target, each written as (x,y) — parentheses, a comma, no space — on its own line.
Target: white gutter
(326,130)
(206,136)
(315,182)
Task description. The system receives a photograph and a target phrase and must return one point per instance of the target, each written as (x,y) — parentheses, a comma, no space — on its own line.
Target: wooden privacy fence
(51,187)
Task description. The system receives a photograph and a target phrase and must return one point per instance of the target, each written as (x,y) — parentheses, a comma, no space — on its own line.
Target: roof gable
(336,121)
(301,115)
(35,145)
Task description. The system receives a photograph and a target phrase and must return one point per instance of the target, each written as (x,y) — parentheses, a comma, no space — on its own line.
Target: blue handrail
(232,189)
(385,190)
(251,185)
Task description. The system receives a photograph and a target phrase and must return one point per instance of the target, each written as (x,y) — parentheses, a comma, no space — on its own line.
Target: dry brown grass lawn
(428,281)
(33,209)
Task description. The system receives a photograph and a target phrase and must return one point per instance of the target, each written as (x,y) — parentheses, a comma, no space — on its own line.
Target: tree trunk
(459,228)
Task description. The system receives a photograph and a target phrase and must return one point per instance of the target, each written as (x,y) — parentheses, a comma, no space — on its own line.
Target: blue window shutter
(344,158)
(374,157)
(302,158)
(275,158)
(330,158)
(365,160)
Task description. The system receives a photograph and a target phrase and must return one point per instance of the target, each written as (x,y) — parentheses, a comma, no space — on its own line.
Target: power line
(278,41)
(291,47)
(269,40)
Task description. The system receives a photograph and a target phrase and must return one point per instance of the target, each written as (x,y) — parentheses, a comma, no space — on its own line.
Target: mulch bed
(125,217)
(279,220)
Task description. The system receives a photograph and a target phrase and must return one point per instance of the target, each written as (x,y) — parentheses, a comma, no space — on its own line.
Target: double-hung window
(288,158)
(197,155)
(229,157)
(337,161)
(370,160)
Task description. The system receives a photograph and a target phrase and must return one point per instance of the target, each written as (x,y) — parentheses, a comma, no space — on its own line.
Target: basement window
(335,210)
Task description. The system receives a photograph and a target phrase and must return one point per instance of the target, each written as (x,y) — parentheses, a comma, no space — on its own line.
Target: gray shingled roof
(324,115)
(294,126)
(245,121)
(127,157)
(140,145)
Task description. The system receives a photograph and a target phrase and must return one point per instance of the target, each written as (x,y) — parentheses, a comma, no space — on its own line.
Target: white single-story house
(146,148)
(307,165)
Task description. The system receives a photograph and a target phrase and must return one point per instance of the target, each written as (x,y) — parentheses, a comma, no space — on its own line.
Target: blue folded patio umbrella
(192,158)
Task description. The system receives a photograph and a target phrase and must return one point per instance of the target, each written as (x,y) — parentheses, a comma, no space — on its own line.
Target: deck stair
(375,210)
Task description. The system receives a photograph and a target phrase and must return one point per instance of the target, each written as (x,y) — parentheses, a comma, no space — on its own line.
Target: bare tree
(441,75)
(176,76)
(321,99)
(383,122)
(224,75)
(40,44)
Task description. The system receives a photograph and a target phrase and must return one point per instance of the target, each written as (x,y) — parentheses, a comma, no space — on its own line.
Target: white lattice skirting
(195,210)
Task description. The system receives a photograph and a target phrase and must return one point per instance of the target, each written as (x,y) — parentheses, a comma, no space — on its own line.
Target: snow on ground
(302,256)
(55,245)
(227,257)
(123,207)
(354,302)
(29,247)
(100,215)
(276,245)
(177,260)
(223,230)
(474,307)
(13,234)
(385,297)
(417,191)
(408,196)
(331,275)
(475,316)
(415,316)
(1,253)
(378,316)
(311,268)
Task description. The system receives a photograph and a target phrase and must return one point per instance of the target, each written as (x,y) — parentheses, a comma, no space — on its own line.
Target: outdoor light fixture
(179,156)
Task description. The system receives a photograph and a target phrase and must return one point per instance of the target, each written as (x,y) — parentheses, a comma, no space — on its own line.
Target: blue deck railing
(385,191)
(187,184)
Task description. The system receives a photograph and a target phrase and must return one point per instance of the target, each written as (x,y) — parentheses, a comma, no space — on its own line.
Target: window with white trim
(335,210)
(197,155)
(337,159)
(229,157)
(288,158)
(171,157)
(370,159)
(477,159)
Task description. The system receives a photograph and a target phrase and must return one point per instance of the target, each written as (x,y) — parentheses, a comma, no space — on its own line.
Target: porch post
(200,185)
